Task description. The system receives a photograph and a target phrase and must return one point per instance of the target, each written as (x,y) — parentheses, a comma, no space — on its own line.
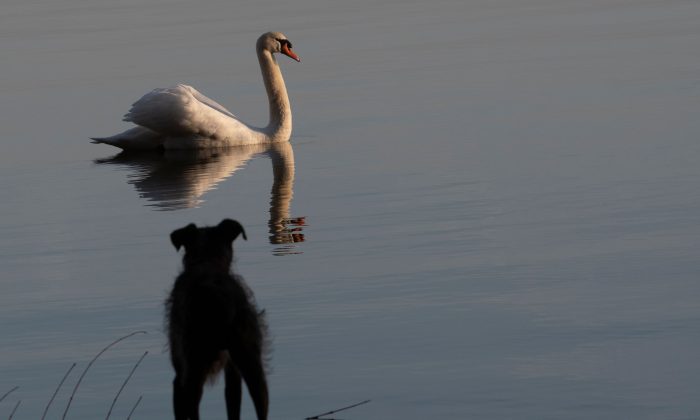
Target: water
(488,210)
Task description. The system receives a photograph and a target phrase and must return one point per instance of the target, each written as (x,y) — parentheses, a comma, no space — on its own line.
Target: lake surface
(489,209)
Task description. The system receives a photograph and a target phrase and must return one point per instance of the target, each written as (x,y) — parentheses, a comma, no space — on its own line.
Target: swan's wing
(208,101)
(181,111)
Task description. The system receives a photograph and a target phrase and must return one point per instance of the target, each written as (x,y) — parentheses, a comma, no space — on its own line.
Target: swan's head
(276,42)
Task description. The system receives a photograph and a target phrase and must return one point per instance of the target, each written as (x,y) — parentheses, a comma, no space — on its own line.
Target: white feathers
(180,117)
(182,111)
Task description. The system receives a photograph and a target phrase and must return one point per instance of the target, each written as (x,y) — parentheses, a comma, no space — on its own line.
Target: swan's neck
(279,127)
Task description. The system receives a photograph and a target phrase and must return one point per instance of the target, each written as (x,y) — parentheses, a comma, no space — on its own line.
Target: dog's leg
(187,393)
(250,366)
(233,392)
(179,405)
(193,396)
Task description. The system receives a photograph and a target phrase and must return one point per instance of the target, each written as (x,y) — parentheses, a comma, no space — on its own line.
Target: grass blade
(46,410)
(75,389)
(114,402)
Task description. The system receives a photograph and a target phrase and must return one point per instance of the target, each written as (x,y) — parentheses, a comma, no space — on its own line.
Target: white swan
(180,117)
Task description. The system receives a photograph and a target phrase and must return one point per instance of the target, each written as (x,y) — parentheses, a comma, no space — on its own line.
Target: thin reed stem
(9,392)
(46,410)
(133,409)
(318,416)
(114,402)
(75,389)
(15,409)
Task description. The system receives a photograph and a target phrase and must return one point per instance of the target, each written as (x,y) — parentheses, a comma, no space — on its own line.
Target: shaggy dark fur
(213,324)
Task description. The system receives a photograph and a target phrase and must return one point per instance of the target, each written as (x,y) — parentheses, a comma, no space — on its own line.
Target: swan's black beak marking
(287,49)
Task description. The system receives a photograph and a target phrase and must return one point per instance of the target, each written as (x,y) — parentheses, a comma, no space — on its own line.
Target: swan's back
(183,112)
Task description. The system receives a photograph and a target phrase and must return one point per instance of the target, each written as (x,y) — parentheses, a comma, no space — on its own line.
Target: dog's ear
(230,229)
(184,236)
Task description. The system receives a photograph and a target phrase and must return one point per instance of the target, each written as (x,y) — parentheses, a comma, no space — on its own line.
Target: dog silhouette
(213,324)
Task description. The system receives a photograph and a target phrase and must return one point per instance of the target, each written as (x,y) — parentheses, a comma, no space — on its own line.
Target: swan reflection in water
(174,180)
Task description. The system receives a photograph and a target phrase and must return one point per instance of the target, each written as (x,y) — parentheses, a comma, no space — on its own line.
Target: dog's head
(213,244)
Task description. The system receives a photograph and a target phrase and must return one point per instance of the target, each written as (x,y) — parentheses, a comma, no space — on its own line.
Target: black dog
(213,324)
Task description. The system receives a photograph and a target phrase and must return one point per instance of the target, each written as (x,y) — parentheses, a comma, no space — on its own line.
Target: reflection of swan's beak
(289,53)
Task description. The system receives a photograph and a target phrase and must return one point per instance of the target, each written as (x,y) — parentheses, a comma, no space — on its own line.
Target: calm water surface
(488,210)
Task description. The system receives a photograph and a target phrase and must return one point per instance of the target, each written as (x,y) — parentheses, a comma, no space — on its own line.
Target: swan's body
(181,117)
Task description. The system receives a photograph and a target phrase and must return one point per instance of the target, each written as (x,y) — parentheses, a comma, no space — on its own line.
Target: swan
(181,117)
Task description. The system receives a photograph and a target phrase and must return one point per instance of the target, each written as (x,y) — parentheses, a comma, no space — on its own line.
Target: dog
(213,324)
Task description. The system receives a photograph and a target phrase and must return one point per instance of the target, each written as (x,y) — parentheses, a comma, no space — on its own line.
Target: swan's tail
(135,138)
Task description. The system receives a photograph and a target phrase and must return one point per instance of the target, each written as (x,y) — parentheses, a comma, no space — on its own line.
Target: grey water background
(500,198)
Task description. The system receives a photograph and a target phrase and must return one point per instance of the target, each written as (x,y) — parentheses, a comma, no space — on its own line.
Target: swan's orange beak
(289,53)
